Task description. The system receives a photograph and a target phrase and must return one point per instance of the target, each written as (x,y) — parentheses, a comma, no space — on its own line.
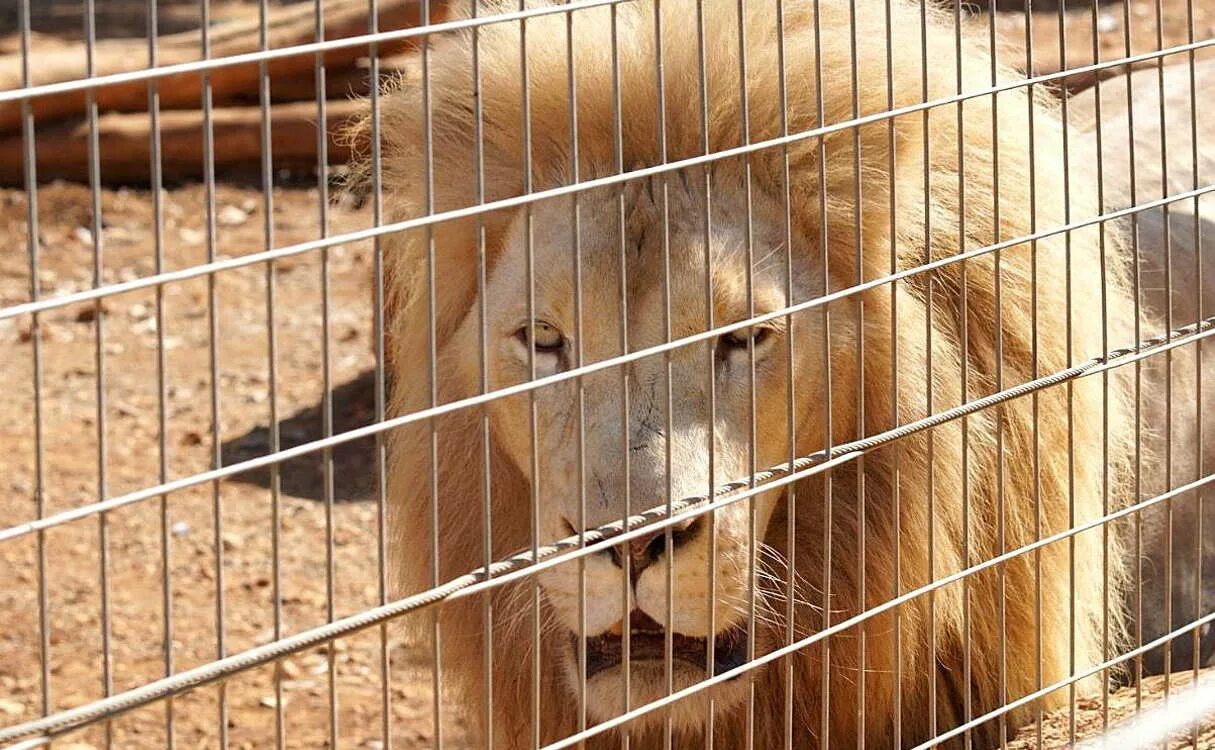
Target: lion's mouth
(648,642)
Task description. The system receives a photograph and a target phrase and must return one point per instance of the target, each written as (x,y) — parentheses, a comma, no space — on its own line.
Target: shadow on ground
(353,462)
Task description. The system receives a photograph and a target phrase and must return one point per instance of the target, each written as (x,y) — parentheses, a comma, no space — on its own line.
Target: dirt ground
(151,542)
(1112,723)
(136,557)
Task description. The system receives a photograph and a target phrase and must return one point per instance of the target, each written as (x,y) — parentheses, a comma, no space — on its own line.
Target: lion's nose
(645,550)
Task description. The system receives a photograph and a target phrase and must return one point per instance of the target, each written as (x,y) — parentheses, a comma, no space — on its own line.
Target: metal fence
(673,373)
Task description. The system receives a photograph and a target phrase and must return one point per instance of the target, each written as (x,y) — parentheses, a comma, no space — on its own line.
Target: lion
(836,177)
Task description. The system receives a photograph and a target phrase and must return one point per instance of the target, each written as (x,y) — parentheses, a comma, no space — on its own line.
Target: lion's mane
(933,182)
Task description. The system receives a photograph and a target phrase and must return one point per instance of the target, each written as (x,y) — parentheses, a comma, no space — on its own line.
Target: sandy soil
(138,557)
(1117,719)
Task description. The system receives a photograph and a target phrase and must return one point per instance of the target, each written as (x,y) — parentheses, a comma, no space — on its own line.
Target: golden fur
(944,486)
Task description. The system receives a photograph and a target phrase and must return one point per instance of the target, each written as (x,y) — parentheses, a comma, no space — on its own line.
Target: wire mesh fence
(615,373)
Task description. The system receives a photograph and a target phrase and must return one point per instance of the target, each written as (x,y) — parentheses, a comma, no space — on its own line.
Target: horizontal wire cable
(130,498)
(529,563)
(204,269)
(310,48)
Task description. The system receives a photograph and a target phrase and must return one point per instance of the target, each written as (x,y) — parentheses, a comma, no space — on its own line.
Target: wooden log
(1078,42)
(125,144)
(288,26)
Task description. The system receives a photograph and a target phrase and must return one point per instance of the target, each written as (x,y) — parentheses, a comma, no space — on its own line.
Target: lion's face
(725,415)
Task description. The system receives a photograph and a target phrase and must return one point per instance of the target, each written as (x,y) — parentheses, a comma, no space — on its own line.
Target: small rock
(270,701)
(231,216)
(84,235)
(139,311)
(61,334)
(191,236)
(11,708)
(232,542)
(321,667)
(147,325)
(181,528)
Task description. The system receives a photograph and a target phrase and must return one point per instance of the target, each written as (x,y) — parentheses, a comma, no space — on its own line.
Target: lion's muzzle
(647,641)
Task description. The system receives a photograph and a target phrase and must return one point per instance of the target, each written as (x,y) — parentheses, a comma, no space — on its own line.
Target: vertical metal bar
(1139,375)
(710,366)
(208,138)
(161,370)
(964,391)
(895,451)
(790,407)
(30,166)
(622,251)
(1001,530)
(745,132)
(432,348)
(828,439)
(1200,496)
(928,406)
(661,115)
(576,243)
(1071,401)
(1136,288)
(267,182)
(1168,356)
(377,320)
(858,301)
(533,415)
(487,545)
(1105,393)
(1034,401)
(94,156)
(327,488)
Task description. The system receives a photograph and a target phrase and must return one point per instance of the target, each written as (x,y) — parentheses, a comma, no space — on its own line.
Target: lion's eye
(546,339)
(738,340)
